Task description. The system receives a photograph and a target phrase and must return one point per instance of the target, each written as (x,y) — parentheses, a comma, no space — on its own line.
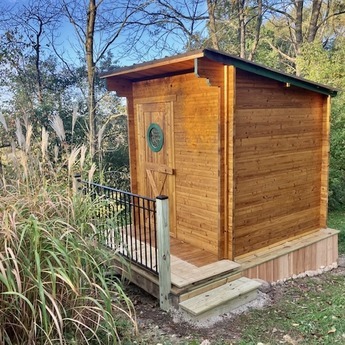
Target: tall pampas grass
(44,143)
(53,282)
(100,136)
(28,137)
(57,124)
(91,172)
(23,160)
(75,116)
(83,151)
(72,158)
(19,133)
(3,121)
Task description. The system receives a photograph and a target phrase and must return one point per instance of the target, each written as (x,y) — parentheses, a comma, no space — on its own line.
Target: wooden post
(163,242)
(76,183)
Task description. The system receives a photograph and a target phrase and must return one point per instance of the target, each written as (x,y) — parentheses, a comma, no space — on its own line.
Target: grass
(306,311)
(336,220)
(309,311)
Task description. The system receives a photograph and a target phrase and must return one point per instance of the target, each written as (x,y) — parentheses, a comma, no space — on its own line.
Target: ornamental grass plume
(44,143)
(3,121)
(100,136)
(83,151)
(53,283)
(19,133)
(75,116)
(28,137)
(57,124)
(72,159)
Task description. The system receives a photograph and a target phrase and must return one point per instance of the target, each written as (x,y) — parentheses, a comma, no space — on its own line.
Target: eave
(188,63)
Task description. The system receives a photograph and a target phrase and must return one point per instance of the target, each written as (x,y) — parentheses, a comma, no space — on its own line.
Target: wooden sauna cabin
(241,151)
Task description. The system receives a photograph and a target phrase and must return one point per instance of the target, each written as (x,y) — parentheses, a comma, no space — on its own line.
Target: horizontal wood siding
(278,158)
(196,116)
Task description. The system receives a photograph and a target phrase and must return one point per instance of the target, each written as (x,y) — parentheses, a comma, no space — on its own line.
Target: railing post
(76,183)
(163,241)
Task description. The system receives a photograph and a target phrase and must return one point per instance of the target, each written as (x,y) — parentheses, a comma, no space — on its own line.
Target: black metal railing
(126,222)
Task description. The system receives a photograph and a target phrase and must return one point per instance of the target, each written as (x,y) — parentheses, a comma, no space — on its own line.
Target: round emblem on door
(155,137)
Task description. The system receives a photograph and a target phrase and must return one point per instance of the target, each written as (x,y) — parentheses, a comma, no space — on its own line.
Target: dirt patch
(159,327)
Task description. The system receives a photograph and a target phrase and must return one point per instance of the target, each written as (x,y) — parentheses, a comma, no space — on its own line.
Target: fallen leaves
(332,330)
(289,340)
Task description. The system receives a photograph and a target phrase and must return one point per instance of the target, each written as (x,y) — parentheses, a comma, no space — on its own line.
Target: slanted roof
(186,63)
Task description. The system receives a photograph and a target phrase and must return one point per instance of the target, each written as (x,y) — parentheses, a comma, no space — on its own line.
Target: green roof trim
(268,72)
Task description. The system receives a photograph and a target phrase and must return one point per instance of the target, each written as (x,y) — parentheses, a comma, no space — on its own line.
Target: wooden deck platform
(195,271)
(189,264)
(191,254)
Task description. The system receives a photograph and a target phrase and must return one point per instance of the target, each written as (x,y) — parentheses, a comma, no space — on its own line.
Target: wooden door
(155,152)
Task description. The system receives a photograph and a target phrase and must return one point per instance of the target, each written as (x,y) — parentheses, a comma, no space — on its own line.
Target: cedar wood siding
(278,160)
(196,142)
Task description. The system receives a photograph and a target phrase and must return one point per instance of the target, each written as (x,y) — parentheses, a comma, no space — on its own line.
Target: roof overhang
(187,63)
(178,64)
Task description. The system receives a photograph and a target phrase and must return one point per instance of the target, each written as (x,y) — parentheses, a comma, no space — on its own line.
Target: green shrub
(337,159)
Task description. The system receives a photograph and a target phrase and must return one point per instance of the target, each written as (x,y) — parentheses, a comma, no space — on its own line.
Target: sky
(69,46)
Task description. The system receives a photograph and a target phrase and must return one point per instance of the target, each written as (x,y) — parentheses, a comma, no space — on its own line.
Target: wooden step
(183,273)
(207,285)
(220,300)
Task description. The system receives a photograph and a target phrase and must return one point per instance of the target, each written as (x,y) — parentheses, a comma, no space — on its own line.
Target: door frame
(166,170)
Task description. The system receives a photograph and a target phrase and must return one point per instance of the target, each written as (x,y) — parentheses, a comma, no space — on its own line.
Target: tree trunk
(37,48)
(242,28)
(314,17)
(211,6)
(90,64)
(257,31)
(298,25)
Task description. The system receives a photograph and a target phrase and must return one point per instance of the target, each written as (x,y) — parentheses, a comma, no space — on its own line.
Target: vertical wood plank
(223,188)
(216,75)
(335,249)
(163,240)
(132,144)
(230,157)
(325,161)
